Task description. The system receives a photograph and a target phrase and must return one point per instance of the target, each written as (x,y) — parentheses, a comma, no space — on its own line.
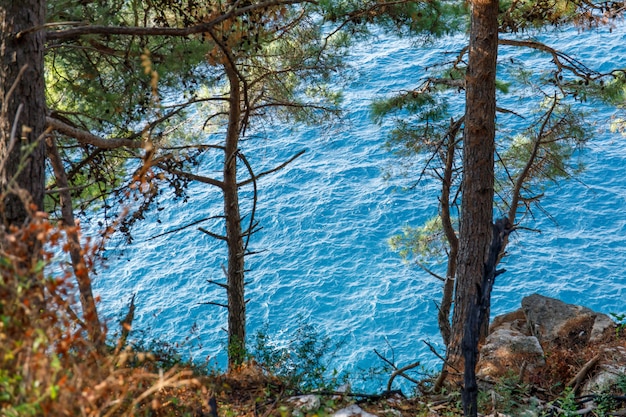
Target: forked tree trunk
(478,314)
(478,168)
(22,106)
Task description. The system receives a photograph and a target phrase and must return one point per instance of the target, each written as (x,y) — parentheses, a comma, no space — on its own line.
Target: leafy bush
(303,362)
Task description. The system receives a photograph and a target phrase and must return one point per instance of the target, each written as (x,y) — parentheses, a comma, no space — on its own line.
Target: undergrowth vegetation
(49,366)
(304,363)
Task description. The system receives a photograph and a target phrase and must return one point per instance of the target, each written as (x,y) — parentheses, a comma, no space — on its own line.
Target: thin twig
(212,303)
(48,25)
(582,374)
(432,349)
(401,373)
(397,371)
(5,104)
(264,173)
(178,229)
(12,138)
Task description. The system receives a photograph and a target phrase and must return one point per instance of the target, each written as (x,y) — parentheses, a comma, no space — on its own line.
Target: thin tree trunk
(235,279)
(447,295)
(478,168)
(23,107)
(453,241)
(90,312)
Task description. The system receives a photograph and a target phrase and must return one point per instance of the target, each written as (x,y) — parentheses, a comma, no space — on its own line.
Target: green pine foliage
(408,18)
(544,151)
(424,245)
(171,91)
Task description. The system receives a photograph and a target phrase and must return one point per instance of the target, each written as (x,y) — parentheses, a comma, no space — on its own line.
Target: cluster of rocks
(518,341)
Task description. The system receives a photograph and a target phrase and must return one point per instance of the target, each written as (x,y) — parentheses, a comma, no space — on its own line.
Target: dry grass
(48,367)
(47,364)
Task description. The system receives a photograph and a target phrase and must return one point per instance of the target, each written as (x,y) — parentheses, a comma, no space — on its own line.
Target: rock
(306,403)
(510,346)
(507,350)
(553,321)
(517,340)
(608,371)
(603,326)
(515,320)
(342,389)
(352,411)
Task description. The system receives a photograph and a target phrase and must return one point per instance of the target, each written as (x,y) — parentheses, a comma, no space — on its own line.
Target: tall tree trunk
(478,168)
(23,107)
(234,238)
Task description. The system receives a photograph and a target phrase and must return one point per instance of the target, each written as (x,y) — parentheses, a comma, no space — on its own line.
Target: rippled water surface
(326,219)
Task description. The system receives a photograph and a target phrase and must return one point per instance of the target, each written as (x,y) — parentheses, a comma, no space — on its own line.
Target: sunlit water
(326,218)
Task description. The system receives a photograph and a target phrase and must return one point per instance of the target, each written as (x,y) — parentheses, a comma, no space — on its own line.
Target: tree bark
(234,237)
(475,232)
(478,314)
(23,108)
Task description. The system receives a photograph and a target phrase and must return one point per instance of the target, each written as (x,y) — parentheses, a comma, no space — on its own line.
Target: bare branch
(503,110)
(393,365)
(400,372)
(264,173)
(126,325)
(47,25)
(194,177)
(254,199)
(523,175)
(79,264)
(211,303)
(430,272)
(584,371)
(215,235)
(397,371)
(561,60)
(64,189)
(178,229)
(434,351)
(219,284)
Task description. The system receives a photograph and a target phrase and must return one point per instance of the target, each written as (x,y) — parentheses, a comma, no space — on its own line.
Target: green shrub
(303,363)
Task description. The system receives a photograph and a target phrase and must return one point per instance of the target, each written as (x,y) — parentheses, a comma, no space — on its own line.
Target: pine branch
(68,34)
(89,138)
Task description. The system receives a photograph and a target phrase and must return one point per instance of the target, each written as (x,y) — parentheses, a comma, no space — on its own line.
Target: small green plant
(621,383)
(605,403)
(507,396)
(620,321)
(566,404)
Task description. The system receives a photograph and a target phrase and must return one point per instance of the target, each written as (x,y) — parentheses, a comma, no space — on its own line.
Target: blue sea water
(324,257)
